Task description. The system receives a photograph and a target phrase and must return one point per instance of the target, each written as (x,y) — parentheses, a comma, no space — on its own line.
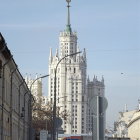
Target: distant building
(36,89)
(134,126)
(120,126)
(128,124)
(96,88)
(14,98)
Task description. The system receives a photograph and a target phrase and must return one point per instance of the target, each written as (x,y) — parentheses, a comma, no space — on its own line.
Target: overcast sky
(108,29)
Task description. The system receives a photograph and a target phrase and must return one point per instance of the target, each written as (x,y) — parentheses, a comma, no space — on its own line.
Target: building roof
(135,118)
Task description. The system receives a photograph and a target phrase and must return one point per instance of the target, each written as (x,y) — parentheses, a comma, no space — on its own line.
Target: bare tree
(42,116)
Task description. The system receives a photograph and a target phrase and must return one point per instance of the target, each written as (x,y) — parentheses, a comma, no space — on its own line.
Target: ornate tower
(71,80)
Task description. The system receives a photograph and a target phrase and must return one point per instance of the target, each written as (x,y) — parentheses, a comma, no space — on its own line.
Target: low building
(134,126)
(128,125)
(120,125)
(14,98)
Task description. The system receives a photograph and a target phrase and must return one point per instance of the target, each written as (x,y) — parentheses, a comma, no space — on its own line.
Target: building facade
(36,89)
(134,126)
(120,125)
(72,89)
(128,124)
(14,98)
(71,82)
(96,107)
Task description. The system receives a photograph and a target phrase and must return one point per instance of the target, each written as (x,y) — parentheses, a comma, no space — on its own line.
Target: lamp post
(54,105)
(58,113)
(30,104)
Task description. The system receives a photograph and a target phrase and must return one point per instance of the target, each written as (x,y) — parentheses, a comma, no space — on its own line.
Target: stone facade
(36,89)
(96,91)
(134,127)
(71,83)
(128,124)
(14,98)
(121,129)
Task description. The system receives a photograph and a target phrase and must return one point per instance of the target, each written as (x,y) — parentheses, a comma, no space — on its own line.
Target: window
(74,70)
(82,98)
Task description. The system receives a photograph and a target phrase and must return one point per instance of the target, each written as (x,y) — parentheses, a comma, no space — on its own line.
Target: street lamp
(54,105)
(41,77)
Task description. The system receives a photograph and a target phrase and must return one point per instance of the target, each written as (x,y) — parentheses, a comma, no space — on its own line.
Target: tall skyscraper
(71,80)
(72,91)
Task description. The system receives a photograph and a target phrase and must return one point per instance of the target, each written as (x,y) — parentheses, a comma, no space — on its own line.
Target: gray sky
(108,29)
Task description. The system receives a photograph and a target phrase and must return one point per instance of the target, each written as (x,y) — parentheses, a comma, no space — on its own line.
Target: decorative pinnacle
(68,26)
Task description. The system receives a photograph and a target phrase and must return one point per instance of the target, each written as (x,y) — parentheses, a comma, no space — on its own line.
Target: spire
(102,78)
(84,54)
(56,53)
(50,58)
(94,79)
(125,108)
(68,26)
